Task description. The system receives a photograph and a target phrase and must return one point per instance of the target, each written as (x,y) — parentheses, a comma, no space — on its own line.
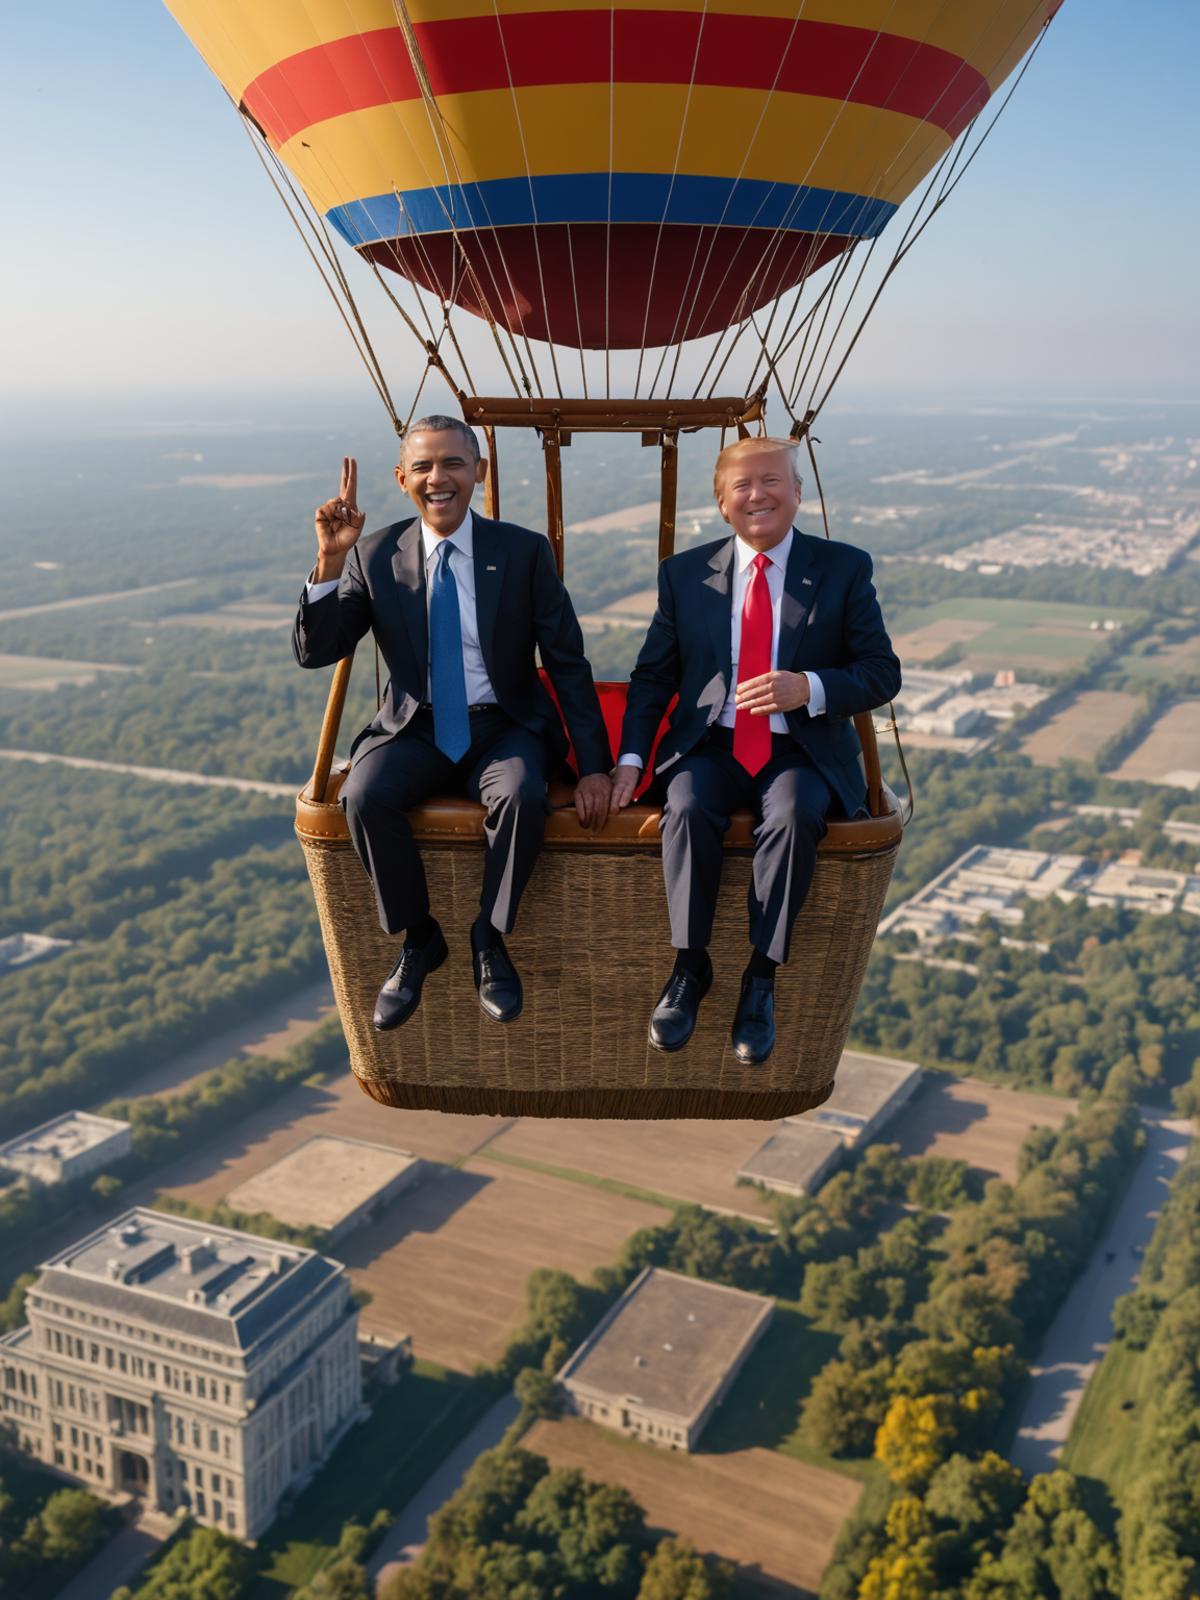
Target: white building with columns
(195,1366)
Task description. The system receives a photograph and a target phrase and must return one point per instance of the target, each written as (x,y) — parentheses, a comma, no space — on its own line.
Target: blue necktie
(451,722)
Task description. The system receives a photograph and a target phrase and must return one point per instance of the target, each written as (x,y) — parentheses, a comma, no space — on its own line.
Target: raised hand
(338,524)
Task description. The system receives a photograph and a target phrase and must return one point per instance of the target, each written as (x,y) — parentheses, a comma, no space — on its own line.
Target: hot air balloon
(621,177)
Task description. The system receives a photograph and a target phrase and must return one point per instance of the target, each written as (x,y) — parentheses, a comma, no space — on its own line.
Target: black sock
(485,935)
(760,966)
(693,961)
(420,932)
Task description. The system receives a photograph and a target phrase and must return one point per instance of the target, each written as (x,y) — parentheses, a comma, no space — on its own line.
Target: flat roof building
(193,1366)
(867,1093)
(328,1182)
(795,1159)
(67,1148)
(664,1357)
(19,949)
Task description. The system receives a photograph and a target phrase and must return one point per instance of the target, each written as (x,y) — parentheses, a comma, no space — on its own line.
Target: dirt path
(93,599)
(205,780)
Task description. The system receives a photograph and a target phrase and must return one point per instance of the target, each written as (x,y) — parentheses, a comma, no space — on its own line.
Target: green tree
(538,1393)
(203,1565)
(677,1571)
(70,1525)
(343,1579)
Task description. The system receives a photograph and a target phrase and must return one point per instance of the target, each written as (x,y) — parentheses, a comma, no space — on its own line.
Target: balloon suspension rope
(802,431)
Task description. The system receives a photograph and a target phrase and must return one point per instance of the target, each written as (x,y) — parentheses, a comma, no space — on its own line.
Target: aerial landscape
(929,1332)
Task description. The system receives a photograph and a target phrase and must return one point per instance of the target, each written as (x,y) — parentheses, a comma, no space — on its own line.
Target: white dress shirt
(774,572)
(462,564)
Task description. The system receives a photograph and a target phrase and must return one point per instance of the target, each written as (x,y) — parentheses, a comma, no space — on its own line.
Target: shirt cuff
(631,761)
(816,695)
(318,591)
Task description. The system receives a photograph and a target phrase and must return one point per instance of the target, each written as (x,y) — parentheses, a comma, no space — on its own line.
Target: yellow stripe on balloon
(802,140)
(240,40)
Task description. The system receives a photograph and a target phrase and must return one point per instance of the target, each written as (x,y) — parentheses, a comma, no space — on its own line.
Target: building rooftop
(191,1278)
(19,949)
(863,1086)
(62,1138)
(668,1343)
(796,1155)
(322,1182)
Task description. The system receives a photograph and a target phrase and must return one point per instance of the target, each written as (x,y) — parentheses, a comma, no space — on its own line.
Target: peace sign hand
(339,523)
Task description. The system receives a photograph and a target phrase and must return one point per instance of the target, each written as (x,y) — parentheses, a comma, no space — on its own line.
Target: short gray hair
(440,424)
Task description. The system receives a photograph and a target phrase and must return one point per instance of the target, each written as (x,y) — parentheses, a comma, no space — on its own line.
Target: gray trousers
(505,768)
(790,800)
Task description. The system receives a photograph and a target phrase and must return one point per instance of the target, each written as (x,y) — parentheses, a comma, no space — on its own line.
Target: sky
(149,256)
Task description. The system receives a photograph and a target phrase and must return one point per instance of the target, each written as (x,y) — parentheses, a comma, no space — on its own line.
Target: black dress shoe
(673,1020)
(401,994)
(497,980)
(754,1022)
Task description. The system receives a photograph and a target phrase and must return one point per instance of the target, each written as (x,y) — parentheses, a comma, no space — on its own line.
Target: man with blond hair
(773,641)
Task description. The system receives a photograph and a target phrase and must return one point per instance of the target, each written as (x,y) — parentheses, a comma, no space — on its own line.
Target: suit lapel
(490,554)
(408,569)
(717,590)
(800,584)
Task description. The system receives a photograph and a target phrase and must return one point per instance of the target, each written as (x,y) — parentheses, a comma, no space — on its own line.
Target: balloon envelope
(610,175)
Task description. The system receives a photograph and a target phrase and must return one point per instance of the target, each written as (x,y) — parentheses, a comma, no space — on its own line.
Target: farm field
(979,1123)
(49,672)
(1168,661)
(1033,635)
(1170,752)
(1082,727)
(695,1161)
(776,1517)
(449,1260)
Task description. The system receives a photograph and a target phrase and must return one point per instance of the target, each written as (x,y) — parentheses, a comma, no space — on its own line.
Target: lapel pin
(806,580)
(491,569)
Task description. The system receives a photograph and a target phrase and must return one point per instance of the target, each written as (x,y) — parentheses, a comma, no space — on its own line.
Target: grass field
(1167,662)
(775,1516)
(48,672)
(692,1161)
(1170,752)
(993,634)
(979,1123)
(1098,1445)
(1081,728)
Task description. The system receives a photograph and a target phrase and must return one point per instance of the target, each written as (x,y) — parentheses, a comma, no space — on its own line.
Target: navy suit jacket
(830,623)
(520,604)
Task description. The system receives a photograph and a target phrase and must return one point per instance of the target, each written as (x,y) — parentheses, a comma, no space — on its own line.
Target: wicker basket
(593,947)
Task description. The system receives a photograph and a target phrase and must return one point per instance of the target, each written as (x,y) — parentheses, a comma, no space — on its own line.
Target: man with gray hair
(458,605)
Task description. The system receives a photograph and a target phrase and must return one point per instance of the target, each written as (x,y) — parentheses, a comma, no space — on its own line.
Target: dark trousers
(790,800)
(505,768)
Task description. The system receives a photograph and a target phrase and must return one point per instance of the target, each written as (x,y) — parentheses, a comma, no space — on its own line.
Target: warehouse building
(795,1159)
(67,1148)
(867,1093)
(660,1362)
(328,1182)
(194,1367)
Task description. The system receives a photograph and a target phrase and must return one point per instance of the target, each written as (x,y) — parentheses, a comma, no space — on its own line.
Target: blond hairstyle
(755,447)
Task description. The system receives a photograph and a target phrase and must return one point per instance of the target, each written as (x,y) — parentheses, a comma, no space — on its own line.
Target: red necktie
(752,734)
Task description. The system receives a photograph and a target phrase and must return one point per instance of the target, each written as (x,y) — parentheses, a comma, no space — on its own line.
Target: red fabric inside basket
(612,705)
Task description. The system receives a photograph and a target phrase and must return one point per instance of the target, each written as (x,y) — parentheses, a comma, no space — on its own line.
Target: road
(120,1560)
(205,780)
(92,599)
(405,1538)
(1082,1331)
(272,1032)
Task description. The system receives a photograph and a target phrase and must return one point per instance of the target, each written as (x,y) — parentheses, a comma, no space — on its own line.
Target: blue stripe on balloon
(636,197)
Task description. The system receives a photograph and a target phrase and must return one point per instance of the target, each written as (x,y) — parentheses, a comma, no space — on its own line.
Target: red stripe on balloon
(467,54)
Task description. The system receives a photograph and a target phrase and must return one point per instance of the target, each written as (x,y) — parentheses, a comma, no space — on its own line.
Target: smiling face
(438,472)
(757,492)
